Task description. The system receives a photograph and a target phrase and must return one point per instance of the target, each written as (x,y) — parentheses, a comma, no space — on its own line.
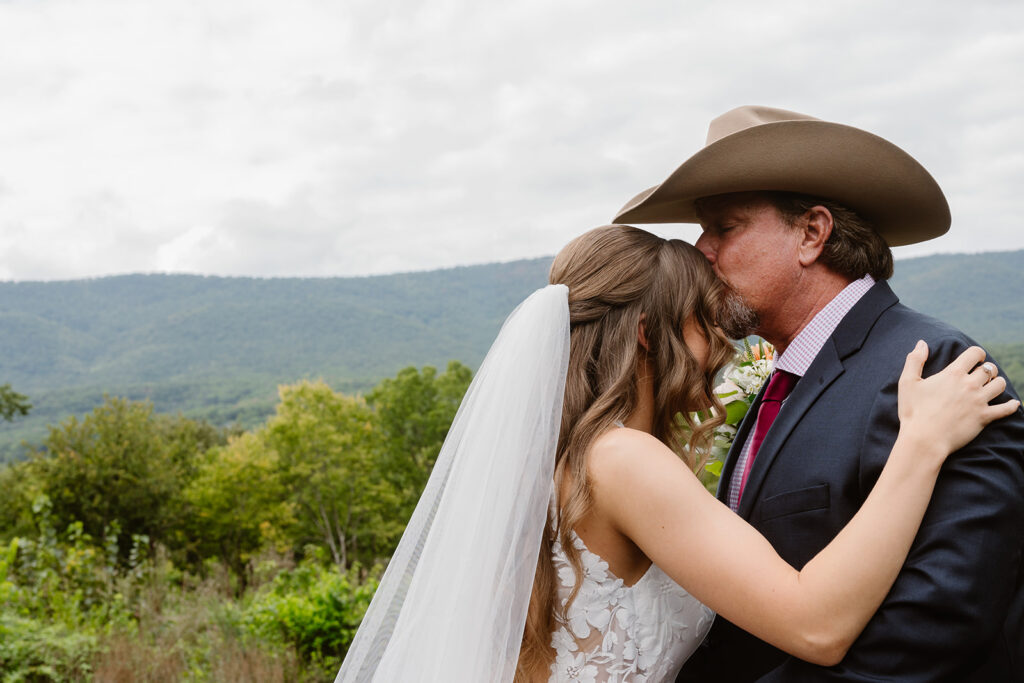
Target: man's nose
(707,246)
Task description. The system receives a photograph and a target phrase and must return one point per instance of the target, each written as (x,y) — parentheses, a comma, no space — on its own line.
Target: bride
(563,535)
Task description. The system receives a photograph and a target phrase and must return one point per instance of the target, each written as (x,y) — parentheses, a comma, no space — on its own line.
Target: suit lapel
(847,339)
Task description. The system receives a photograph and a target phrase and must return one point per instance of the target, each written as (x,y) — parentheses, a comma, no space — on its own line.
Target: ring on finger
(990,369)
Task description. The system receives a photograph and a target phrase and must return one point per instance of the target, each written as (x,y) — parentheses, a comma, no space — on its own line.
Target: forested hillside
(982,294)
(216,348)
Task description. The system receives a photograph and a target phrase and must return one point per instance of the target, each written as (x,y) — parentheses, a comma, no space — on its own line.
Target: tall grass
(152,622)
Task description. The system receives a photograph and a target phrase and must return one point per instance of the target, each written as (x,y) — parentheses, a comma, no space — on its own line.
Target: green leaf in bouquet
(735,411)
(714,467)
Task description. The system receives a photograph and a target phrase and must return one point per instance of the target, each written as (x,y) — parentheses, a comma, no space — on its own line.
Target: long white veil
(452,604)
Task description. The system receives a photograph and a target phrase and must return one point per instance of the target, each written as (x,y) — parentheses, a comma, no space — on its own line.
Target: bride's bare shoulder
(620,439)
(621,455)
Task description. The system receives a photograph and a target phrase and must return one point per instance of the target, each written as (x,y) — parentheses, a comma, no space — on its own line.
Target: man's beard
(735,317)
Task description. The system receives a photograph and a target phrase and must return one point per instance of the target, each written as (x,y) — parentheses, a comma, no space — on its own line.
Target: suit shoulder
(902,318)
(909,316)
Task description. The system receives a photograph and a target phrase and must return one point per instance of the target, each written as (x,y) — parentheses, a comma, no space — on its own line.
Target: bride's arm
(816,613)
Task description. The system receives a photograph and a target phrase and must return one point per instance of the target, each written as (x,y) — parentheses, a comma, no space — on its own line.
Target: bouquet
(741,380)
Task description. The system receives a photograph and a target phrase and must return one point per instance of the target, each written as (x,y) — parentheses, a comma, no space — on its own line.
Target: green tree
(12,404)
(121,463)
(238,503)
(327,448)
(414,411)
(20,486)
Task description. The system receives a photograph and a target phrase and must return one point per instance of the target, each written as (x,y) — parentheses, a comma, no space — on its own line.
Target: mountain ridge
(217,346)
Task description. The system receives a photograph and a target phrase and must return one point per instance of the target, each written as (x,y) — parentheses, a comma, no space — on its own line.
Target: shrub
(314,609)
(33,650)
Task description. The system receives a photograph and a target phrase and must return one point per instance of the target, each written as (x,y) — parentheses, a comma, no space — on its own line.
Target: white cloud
(325,138)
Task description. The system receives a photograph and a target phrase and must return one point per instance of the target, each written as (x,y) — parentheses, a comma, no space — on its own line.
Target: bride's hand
(950,408)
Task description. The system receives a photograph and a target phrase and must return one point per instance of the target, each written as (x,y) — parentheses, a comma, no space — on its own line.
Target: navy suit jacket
(956,611)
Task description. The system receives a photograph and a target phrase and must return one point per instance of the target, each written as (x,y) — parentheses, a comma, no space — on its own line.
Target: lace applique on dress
(617,634)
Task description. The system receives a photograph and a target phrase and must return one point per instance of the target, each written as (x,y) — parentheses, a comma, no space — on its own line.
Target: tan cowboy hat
(761,148)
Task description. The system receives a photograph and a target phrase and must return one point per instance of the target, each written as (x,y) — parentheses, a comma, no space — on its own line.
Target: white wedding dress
(623,634)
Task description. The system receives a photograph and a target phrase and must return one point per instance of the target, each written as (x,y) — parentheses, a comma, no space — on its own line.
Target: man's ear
(817,226)
(641,333)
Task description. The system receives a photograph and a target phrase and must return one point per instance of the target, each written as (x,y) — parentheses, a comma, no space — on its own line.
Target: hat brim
(850,166)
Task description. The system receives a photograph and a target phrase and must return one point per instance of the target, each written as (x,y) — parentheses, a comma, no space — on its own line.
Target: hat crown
(748,116)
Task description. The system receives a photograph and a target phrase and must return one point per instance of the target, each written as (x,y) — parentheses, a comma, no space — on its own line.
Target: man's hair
(854,248)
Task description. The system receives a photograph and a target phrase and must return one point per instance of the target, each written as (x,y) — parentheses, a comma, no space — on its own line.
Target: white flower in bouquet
(741,380)
(746,377)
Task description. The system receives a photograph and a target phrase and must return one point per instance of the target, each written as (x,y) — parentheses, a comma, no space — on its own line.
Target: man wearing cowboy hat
(798,216)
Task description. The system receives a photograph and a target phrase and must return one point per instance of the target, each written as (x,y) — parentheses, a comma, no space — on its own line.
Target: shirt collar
(801,352)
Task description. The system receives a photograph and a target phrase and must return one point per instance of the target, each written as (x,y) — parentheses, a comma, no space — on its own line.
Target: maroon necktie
(779,386)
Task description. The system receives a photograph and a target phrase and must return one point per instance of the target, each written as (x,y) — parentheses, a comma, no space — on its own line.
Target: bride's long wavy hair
(617,276)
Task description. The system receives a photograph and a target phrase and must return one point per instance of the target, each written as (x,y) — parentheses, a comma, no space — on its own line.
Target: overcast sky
(345,137)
